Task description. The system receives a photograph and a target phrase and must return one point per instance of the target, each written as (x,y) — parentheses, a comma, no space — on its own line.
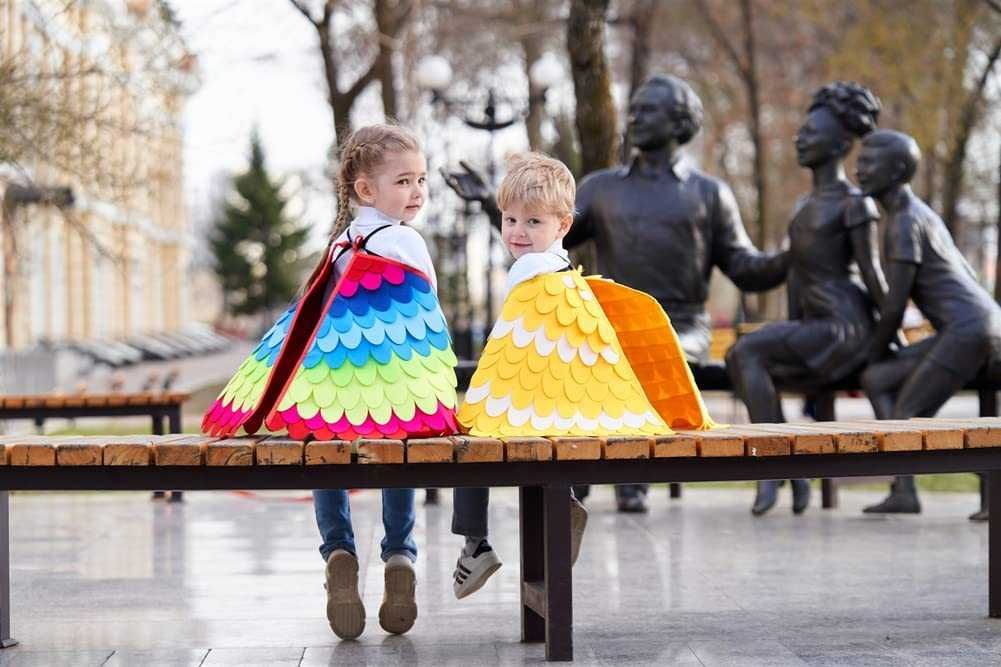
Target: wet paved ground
(114,579)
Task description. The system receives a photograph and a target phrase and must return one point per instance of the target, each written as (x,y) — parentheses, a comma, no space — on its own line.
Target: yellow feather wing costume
(554,365)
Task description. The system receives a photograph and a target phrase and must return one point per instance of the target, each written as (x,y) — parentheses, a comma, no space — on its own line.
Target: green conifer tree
(258,249)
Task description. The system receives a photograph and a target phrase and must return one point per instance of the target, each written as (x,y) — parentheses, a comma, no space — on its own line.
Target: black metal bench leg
(5,638)
(174,420)
(675,488)
(825,413)
(994,544)
(559,583)
(988,402)
(158,424)
(546,587)
(533,567)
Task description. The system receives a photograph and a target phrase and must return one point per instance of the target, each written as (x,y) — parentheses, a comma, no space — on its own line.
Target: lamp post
(435,75)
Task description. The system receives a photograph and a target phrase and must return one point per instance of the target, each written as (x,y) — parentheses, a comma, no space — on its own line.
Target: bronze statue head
(664,110)
(838,113)
(888,159)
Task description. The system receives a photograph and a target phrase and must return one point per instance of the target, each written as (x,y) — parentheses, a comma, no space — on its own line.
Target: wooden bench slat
(327,452)
(140,398)
(180,450)
(278,451)
(626,447)
(380,451)
(848,439)
(804,440)
(977,432)
(79,451)
(527,449)
(860,436)
(718,442)
(430,450)
(674,446)
(128,451)
(763,439)
(574,448)
(900,434)
(471,449)
(30,450)
(231,452)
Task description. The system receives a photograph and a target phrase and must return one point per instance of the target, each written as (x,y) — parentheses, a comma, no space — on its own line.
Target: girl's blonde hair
(364,152)
(535,179)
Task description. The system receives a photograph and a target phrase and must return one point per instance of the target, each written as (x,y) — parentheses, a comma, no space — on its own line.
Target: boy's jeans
(469,511)
(333,518)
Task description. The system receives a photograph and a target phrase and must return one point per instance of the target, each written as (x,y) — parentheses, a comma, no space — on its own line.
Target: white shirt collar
(370,218)
(529,265)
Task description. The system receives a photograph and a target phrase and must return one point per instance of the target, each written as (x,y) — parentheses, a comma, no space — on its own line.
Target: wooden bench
(163,407)
(543,468)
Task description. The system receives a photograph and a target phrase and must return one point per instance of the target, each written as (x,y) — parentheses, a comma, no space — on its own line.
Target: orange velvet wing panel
(653,350)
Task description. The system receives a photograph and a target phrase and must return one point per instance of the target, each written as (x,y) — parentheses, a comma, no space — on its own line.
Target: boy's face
(525,229)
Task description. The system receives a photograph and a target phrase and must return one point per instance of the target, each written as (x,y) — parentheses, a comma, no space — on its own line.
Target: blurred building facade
(114,263)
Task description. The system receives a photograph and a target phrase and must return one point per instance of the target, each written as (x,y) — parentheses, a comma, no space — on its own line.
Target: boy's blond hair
(535,179)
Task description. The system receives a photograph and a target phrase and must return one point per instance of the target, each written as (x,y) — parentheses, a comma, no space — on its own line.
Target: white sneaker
(473,570)
(399,603)
(345,611)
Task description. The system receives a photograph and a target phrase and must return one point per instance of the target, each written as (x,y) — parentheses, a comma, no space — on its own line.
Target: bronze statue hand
(468,184)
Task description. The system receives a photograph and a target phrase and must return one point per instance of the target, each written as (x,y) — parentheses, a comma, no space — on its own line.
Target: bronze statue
(659,224)
(833,230)
(924,265)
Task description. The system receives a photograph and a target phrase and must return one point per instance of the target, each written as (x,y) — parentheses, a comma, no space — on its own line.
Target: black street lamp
(435,74)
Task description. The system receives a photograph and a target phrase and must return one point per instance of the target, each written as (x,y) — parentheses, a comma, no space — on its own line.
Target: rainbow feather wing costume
(241,396)
(374,360)
(554,365)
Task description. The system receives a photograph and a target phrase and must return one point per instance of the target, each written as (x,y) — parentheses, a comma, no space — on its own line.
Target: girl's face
(526,229)
(820,139)
(398,187)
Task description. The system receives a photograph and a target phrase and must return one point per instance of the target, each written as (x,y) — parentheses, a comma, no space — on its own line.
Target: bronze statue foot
(903,499)
(800,495)
(633,504)
(768,492)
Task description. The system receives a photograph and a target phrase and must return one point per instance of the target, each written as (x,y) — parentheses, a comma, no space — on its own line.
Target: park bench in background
(163,407)
(543,468)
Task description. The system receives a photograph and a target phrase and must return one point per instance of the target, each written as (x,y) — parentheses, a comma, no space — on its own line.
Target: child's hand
(468,184)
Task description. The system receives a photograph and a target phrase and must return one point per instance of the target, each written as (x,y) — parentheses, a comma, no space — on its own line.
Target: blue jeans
(333,518)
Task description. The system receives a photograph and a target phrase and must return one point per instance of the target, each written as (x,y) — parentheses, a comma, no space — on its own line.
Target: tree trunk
(595,114)
(997,262)
(640,26)
(952,190)
(531,46)
(754,104)
(340,108)
(384,22)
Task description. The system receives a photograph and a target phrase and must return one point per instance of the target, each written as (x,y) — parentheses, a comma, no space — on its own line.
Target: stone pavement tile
(247,657)
(840,651)
(167,657)
(16,657)
(634,650)
(175,633)
(724,653)
(402,650)
(944,650)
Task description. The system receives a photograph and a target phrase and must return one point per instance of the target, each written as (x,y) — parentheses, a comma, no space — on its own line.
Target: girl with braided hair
(833,231)
(365,353)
